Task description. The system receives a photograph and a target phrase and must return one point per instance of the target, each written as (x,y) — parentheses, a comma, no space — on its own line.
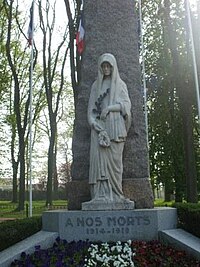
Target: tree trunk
(72,37)
(49,199)
(17,109)
(14,190)
(51,164)
(14,166)
(186,110)
(22,173)
(55,172)
(50,65)
(190,162)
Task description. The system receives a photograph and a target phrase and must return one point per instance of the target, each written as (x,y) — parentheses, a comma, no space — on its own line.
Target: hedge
(12,232)
(189,217)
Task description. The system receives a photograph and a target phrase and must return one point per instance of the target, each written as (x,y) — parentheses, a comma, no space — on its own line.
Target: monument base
(137,190)
(124,204)
(105,226)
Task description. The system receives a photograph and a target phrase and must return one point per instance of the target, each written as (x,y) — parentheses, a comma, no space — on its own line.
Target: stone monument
(111,27)
(108,197)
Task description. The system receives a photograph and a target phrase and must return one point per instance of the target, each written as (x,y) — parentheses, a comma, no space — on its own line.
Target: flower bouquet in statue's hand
(104,139)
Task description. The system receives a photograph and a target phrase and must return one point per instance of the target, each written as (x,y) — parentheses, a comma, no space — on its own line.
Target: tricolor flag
(80,36)
(30,27)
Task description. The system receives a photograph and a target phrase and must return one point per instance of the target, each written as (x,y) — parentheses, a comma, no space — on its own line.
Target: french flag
(80,36)
(30,27)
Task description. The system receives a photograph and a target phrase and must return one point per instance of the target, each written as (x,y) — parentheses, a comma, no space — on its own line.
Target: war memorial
(110,196)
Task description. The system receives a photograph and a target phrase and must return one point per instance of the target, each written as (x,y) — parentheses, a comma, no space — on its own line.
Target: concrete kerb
(42,238)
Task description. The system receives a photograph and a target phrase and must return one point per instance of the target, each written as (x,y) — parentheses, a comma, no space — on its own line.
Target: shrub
(189,217)
(12,232)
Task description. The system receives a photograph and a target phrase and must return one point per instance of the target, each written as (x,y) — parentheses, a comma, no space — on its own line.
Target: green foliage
(12,232)
(165,21)
(189,217)
(164,117)
(4,71)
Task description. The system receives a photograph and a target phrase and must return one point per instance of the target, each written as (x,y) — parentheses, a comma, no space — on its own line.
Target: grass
(8,209)
(161,203)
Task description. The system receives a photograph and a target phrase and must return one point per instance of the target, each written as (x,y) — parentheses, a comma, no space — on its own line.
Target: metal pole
(31,118)
(143,70)
(193,58)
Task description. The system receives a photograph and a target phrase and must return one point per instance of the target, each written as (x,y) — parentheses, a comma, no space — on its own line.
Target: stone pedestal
(124,204)
(137,190)
(105,226)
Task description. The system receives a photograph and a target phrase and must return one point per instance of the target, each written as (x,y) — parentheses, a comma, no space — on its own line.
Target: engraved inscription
(127,221)
(109,224)
(89,221)
(117,230)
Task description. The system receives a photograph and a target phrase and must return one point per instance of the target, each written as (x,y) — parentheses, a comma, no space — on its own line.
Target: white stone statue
(109,115)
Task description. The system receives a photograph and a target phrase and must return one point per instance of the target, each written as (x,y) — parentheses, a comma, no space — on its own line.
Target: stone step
(181,239)
(42,238)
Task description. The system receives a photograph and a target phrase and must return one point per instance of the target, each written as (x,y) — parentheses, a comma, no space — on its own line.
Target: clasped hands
(97,127)
(111,108)
(104,113)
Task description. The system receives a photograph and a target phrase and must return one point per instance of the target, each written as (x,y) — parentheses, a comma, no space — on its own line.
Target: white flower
(129,242)
(118,255)
(116,263)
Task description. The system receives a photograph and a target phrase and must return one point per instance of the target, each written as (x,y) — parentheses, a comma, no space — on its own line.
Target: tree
(19,62)
(182,81)
(54,84)
(21,124)
(171,107)
(65,136)
(75,59)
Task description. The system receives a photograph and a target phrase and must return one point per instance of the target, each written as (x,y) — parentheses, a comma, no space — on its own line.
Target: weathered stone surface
(111,26)
(137,190)
(77,193)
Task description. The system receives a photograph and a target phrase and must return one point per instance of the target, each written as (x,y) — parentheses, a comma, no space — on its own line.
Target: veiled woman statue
(109,115)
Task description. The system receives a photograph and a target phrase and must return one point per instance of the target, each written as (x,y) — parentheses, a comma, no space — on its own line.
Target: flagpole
(31,117)
(143,70)
(193,58)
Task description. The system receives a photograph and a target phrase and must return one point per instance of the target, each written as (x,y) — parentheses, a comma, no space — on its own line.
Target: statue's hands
(104,113)
(97,127)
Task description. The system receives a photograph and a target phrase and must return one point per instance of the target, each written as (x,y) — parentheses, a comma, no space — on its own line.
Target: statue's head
(106,68)
(107,65)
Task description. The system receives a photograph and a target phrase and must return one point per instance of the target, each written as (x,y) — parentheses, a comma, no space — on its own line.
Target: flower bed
(85,254)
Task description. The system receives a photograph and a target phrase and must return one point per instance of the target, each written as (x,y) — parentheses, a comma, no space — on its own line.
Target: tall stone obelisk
(111,26)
